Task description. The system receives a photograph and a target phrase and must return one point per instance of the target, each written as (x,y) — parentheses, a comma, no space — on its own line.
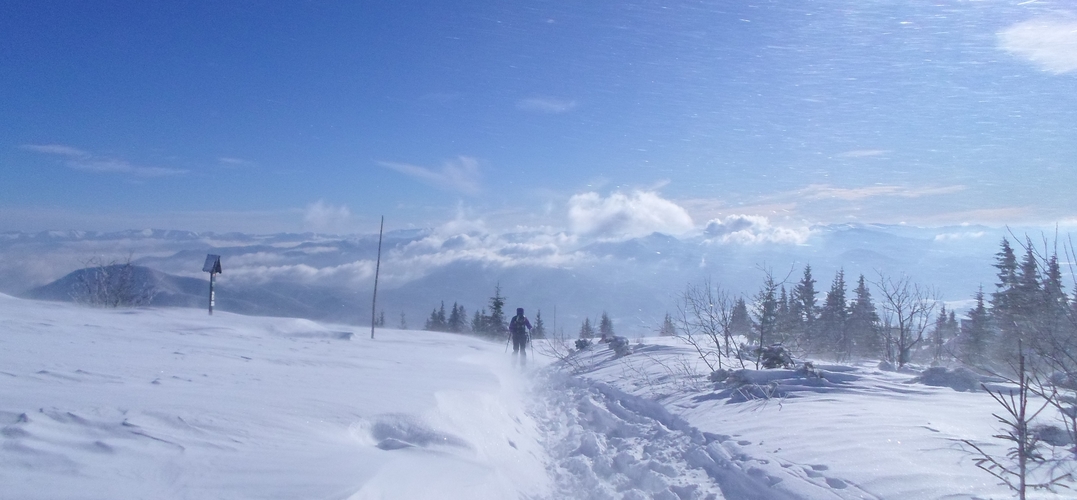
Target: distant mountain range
(177,291)
(635,280)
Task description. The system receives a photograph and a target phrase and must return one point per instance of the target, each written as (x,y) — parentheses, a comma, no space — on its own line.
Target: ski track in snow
(607,444)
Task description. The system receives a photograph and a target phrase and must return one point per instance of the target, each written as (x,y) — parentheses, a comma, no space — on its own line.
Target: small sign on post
(213,267)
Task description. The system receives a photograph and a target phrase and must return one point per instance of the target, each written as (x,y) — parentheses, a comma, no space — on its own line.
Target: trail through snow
(608,444)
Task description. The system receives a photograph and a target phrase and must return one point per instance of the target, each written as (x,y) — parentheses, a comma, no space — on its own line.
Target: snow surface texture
(172,403)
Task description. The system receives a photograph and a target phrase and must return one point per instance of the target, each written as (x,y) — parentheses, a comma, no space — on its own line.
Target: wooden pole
(377,268)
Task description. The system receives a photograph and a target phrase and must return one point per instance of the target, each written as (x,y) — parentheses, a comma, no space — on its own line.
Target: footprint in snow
(837,484)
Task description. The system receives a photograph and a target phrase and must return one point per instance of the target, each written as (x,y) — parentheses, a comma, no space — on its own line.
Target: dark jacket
(519,325)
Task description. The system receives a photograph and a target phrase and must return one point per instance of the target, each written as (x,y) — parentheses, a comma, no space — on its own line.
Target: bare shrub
(704,322)
(112,284)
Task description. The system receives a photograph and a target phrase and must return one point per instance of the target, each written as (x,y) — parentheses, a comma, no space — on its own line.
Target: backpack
(518,326)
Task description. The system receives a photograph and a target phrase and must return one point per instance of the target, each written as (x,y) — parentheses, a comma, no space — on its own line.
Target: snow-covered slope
(173,403)
(651,419)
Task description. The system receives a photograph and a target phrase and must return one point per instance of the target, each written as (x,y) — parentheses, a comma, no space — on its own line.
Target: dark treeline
(892,318)
(490,321)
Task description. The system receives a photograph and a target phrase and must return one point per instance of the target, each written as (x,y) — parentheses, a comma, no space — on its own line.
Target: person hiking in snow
(520,331)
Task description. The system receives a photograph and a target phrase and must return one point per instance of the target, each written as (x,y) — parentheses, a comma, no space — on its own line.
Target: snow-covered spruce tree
(766,315)
(804,308)
(1055,349)
(787,322)
(496,324)
(457,319)
(437,322)
(939,335)
(740,322)
(605,327)
(403,321)
(1028,310)
(975,333)
(479,323)
(586,331)
(833,319)
(1004,301)
(668,329)
(864,322)
(538,330)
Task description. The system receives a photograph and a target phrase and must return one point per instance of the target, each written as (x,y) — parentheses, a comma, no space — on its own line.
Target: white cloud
(1049,43)
(626,215)
(347,274)
(78,159)
(322,217)
(461,175)
(959,236)
(548,105)
(824,191)
(462,240)
(748,229)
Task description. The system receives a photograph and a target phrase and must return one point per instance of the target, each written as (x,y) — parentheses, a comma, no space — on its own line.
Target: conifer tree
(538,331)
(436,322)
(479,322)
(1004,301)
(939,335)
(1025,306)
(668,328)
(863,324)
(586,330)
(976,332)
(740,322)
(403,321)
(803,306)
(833,330)
(766,314)
(786,321)
(495,322)
(1057,329)
(605,327)
(457,319)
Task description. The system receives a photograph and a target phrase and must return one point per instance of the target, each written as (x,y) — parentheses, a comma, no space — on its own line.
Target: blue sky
(597,117)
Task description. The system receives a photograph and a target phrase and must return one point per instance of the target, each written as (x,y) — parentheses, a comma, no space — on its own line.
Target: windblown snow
(173,403)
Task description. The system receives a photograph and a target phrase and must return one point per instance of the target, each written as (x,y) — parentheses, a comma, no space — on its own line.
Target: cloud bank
(78,159)
(321,217)
(1049,43)
(752,229)
(460,175)
(629,215)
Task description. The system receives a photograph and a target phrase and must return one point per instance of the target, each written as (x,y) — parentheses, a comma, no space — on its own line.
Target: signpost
(213,267)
